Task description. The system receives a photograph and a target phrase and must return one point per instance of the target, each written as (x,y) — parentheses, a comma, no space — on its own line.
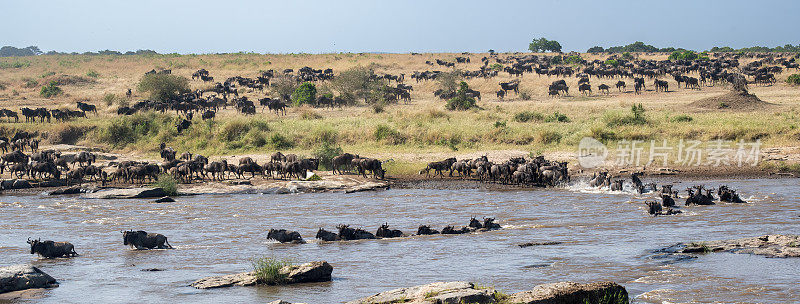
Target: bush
(124,130)
(93,74)
(325,152)
(548,137)
(304,94)
(636,117)
(109,99)
(612,62)
(525,94)
(50,90)
(66,134)
(3,86)
(30,83)
(377,107)
(163,87)
(574,59)
(280,142)
(496,67)
(686,55)
(392,136)
(526,116)
(284,86)
(47,74)
(793,79)
(500,124)
(627,56)
(461,102)
(309,114)
(168,183)
(682,118)
(449,82)
(556,60)
(556,117)
(268,270)
(358,83)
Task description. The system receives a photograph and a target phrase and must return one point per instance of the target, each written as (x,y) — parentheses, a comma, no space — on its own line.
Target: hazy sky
(201,26)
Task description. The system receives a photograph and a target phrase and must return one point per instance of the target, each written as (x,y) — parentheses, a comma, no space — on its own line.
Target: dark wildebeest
(283,236)
(327,236)
(585,89)
(451,230)
(603,88)
(50,249)
(183,125)
(621,85)
(510,86)
(426,230)
(342,160)
(143,240)
(385,232)
(346,233)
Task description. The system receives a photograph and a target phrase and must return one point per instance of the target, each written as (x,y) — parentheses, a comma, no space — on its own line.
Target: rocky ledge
(21,277)
(773,245)
(121,193)
(304,273)
(465,292)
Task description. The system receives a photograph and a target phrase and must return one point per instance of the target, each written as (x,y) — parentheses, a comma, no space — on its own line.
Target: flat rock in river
(571,293)
(128,193)
(773,245)
(439,292)
(21,277)
(304,273)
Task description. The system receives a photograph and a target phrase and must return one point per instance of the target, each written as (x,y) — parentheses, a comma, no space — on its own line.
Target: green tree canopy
(541,45)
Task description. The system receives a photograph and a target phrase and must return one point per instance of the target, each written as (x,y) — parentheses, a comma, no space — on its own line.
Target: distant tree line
(10,51)
(639,46)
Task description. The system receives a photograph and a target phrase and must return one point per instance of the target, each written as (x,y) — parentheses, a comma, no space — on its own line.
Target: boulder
(282,302)
(572,293)
(69,190)
(304,273)
(165,199)
(21,277)
(143,192)
(434,293)
(53,183)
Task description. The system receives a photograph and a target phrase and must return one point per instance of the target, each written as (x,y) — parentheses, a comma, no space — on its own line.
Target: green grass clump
(93,74)
(793,79)
(168,183)
(682,118)
(267,270)
(618,297)
(556,117)
(526,116)
(50,90)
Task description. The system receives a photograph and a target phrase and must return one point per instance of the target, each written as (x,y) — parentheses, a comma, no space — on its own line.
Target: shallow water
(606,236)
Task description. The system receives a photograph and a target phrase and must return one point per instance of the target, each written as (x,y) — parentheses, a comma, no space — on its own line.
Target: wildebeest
(426,230)
(50,249)
(603,88)
(620,85)
(585,89)
(385,232)
(183,125)
(283,236)
(346,233)
(327,236)
(142,240)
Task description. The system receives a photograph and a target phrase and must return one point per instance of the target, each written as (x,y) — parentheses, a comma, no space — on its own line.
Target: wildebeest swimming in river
(143,240)
(426,230)
(50,249)
(347,233)
(283,236)
(327,236)
(385,232)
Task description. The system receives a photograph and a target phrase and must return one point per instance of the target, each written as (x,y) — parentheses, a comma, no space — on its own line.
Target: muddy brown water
(604,235)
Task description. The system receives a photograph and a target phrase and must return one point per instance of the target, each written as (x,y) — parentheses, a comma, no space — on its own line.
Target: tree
(284,86)
(542,45)
(306,93)
(163,87)
(359,83)
(595,49)
(461,102)
(449,81)
(10,51)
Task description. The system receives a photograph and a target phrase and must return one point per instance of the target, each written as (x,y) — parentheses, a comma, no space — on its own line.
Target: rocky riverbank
(304,273)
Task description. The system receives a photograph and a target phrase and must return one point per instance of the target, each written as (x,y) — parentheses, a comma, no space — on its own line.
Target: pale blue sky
(201,26)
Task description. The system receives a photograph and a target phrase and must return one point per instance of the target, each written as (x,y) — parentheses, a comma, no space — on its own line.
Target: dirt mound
(739,101)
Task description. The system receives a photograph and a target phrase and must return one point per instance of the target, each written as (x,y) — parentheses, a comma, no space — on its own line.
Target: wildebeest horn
(29,241)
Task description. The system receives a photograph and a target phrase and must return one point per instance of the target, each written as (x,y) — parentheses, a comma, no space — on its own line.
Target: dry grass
(423,127)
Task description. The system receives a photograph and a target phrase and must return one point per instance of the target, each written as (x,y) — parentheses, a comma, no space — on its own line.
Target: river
(604,235)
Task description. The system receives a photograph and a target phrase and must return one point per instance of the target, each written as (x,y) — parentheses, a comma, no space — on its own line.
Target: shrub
(124,130)
(306,93)
(163,87)
(548,137)
(280,142)
(268,270)
(526,116)
(47,74)
(109,99)
(686,55)
(358,83)
(309,114)
(168,183)
(556,117)
(284,86)
(612,62)
(3,86)
(50,90)
(326,151)
(392,136)
(682,118)
(602,135)
(496,67)
(636,117)
(574,59)
(627,56)
(449,82)
(793,79)
(556,60)
(377,107)
(66,134)
(461,102)
(93,74)
(30,83)
(500,124)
